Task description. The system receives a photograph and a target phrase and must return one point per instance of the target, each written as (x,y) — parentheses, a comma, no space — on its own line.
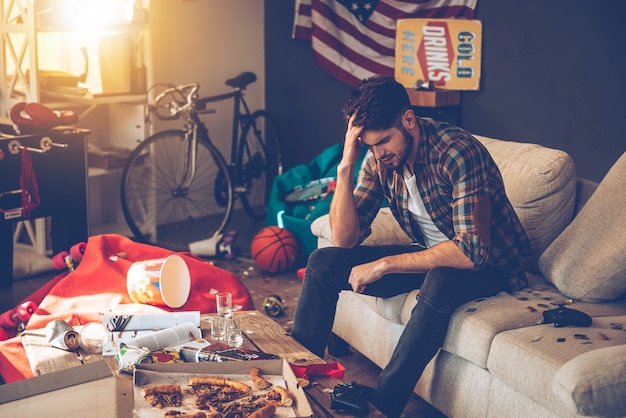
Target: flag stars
(361,9)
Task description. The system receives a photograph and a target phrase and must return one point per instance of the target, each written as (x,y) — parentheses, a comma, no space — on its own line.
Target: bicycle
(176,186)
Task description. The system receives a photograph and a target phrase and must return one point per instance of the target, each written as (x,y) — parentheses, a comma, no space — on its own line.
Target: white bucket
(159,282)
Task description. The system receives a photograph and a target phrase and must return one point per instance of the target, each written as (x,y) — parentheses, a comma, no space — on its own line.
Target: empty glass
(217,325)
(224,301)
(234,331)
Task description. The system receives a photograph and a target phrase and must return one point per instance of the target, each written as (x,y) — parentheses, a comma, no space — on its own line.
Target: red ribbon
(333,370)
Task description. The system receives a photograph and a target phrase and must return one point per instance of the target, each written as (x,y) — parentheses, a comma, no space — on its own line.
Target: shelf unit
(115,118)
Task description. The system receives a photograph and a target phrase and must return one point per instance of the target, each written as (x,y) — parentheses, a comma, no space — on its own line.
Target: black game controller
(562,317)
(350,397)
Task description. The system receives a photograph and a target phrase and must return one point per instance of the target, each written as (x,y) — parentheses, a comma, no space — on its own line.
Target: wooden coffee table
(264,334)
(261,333)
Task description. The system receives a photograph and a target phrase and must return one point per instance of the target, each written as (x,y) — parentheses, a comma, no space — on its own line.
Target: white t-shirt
(432,234)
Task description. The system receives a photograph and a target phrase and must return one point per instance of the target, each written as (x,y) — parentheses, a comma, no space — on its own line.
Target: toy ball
(274,249)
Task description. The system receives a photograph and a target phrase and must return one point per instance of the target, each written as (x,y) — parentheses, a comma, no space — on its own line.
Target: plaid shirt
(458,182)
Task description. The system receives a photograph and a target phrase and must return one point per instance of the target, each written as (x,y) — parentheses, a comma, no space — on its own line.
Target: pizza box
(89,390)
(279,367)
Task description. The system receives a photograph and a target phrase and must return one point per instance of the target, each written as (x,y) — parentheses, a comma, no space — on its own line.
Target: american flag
(355,39)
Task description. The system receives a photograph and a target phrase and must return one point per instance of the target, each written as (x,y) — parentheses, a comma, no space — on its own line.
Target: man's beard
(403,154)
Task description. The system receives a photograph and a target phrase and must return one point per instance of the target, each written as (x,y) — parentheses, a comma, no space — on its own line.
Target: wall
(552,74)
(209,41)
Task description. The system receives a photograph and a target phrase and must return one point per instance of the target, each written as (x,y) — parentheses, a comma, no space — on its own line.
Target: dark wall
(553,74)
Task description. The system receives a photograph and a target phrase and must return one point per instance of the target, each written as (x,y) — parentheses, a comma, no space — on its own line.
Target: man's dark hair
(379,102)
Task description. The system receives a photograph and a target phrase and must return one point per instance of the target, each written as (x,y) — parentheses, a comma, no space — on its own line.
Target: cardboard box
(445,51)
(279,367)
(91,390)
(434,98)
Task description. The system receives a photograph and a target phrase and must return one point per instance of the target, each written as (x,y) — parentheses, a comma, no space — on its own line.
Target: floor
(286,285)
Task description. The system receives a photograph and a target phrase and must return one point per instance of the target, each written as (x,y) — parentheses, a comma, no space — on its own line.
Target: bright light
(93,14)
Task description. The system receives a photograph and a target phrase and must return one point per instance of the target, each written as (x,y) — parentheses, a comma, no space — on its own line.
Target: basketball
(274,249)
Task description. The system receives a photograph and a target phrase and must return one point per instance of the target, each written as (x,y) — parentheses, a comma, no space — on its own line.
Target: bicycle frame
(239,118)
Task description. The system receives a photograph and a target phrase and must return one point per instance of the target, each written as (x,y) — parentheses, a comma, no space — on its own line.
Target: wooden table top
(264,334)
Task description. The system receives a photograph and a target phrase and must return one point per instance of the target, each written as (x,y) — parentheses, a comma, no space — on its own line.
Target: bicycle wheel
(160,210)
(260,162)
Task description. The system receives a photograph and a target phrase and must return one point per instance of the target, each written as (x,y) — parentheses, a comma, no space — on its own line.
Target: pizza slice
(278,396)
(160,396)
(264,412)
(212,391)
(180,414)
(246,408)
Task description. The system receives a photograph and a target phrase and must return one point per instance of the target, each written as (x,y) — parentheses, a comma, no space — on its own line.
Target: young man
(447,194)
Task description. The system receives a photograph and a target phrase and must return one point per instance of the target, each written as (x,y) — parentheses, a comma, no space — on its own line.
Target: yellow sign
(446,52)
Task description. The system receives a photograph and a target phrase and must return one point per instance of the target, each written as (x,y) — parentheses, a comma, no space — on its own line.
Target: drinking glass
(217,326)
(234,333)
(224,301)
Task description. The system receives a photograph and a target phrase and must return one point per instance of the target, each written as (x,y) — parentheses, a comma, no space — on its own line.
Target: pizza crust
(257,380)
(161,396)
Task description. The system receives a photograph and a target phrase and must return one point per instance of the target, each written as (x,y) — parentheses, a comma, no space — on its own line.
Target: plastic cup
(159,282)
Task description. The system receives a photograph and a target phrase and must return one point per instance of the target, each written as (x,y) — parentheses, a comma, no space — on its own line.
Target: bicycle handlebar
(183,101)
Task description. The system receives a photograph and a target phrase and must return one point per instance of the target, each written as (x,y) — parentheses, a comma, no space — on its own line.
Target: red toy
(69,260)
(35,117)
(14,320)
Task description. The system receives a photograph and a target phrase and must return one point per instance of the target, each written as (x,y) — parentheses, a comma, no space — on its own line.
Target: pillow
(540,182)
(587,261)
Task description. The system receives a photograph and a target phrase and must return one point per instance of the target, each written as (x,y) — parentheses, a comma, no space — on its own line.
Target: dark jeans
(442,291)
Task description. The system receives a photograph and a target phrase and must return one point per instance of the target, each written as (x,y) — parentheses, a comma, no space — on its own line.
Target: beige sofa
(498,360)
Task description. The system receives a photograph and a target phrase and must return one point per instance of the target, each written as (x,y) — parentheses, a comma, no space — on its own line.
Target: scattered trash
(273,305)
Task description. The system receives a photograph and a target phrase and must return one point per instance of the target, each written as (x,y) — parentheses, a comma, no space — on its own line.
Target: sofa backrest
(541,184)
(584,190)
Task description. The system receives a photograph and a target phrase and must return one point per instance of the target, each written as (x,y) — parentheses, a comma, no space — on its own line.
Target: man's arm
(446,254)
(344,220)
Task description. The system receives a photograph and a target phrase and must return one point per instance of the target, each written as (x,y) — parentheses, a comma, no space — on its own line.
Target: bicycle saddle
(242,80)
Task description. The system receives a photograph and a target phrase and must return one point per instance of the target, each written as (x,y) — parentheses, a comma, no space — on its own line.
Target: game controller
(350,397)
(562,317)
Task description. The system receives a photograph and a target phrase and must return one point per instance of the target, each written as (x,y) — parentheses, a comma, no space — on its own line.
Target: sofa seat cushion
(540,182)
(563,373)
(475,325)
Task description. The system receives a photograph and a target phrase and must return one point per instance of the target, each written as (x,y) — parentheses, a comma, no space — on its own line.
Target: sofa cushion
(474,326)
(532,361)
(587,260)
(540,182)
(594,383)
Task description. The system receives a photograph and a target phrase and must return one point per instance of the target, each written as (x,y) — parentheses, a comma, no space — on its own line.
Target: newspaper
(170,337)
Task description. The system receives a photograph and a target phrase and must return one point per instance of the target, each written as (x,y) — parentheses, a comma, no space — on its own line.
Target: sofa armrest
(385,231)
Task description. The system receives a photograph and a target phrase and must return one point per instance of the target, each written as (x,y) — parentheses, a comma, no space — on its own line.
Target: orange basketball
(274,249)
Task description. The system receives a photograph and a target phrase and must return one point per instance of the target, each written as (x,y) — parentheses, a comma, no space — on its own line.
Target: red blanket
(98,287)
